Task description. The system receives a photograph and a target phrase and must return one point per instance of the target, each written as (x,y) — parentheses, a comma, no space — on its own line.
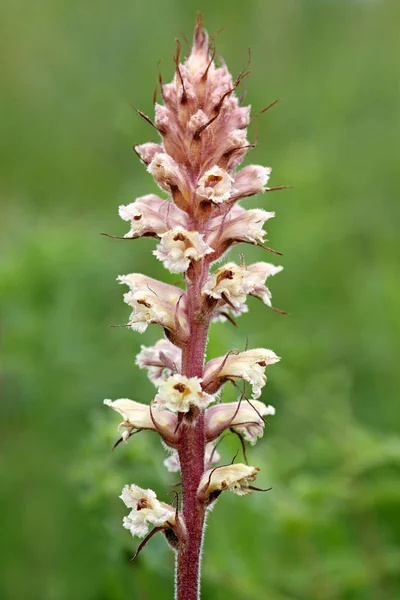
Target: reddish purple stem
(191,450)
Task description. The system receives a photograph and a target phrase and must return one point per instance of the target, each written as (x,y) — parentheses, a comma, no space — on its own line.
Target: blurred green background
(330,528)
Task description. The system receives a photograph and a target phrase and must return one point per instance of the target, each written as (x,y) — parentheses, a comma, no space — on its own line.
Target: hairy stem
(191,451)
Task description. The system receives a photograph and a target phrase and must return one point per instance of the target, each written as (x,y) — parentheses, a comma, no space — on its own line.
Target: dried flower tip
(161,360)
(199,57)
(179,394)
(243,417)
(151,216)
(137,416)
(232,283)
(215,185)
(249,366)
(234,478)
(146,510)
(178,248)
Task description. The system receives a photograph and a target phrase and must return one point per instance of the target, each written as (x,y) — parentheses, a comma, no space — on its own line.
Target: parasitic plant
(203,131)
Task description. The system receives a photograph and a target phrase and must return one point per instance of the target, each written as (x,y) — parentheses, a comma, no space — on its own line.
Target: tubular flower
(249,366)
(239,225)
(178,248)
(138,416)
(234,478)
(146,510)
(147,152)
(154,302)
(251,180)
(151,216)
(243,417)
(161,360)
(232,283)
(170,177)
(211,457)
(179,394)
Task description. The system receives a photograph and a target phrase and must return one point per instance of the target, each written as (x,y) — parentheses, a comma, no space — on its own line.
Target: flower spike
(199,217)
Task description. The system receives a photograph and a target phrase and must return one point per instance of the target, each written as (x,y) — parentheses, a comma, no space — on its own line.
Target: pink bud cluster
(203,131)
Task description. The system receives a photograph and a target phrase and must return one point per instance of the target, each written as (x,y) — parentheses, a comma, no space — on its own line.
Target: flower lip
(178,248)
(215,185)
(180,393)
(146,510)
(231,283)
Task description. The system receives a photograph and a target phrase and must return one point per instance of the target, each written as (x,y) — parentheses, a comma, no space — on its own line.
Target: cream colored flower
(146,510)
(179,393)
(166,171)
(137,416)
(161,360)
(215,185)
(251,180)
(147,151)
(242,417)
(258,273)
(235,478)
(151,216)
(178,248)
(239,226)
(233,283)
(248,365)
(153,302)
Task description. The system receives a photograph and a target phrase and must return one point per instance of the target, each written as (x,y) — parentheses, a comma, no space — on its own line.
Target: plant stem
(191,457)
(191,451)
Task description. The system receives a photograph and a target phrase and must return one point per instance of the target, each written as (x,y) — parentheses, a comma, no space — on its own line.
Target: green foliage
(329,529)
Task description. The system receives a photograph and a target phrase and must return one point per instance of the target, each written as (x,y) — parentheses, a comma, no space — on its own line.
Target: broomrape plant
(203,131)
